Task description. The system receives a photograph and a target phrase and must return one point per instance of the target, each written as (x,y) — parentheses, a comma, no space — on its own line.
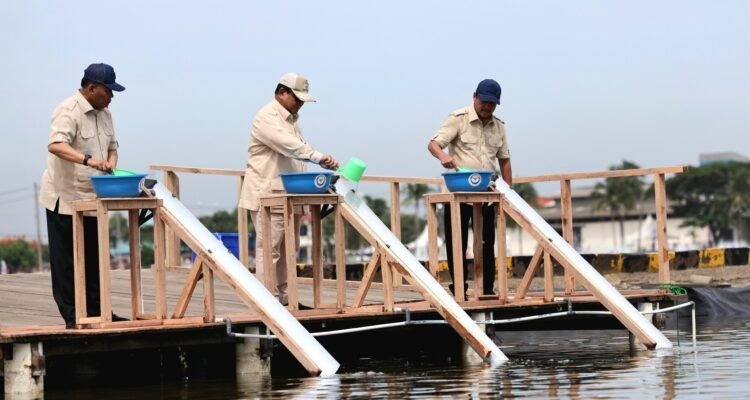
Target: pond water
(555,364)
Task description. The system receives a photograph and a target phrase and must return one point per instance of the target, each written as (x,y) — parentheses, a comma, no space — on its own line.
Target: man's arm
(445,159)
(505,170)
(68,153)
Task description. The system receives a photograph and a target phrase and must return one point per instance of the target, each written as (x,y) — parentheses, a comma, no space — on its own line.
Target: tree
(712,196)
(619,195)
(18,254)
(414,194)
(220,221)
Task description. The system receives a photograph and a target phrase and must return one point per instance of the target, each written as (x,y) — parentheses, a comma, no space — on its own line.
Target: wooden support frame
(289,202)
(455,200)
(102,207)
(566,211)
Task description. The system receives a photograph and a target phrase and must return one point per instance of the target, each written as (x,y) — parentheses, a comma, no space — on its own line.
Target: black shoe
(117,318)
(70,325)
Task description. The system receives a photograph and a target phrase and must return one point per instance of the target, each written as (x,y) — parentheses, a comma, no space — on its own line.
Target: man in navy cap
(476,141)
(81,143)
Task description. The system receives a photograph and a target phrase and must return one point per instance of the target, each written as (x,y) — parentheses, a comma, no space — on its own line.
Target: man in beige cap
(277,146)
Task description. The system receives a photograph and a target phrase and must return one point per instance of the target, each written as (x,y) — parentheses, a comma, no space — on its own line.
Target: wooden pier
(32,333)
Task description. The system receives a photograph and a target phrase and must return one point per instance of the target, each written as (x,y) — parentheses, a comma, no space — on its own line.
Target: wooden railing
(171,181)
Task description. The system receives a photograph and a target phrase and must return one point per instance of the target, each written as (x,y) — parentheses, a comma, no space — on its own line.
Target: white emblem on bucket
(320,181)
(475,179)
(142,185)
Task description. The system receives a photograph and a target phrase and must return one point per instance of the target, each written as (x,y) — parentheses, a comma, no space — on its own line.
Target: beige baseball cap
(298,84)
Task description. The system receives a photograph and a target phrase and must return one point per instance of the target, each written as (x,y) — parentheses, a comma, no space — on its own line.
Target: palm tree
(619,195)
(413,195)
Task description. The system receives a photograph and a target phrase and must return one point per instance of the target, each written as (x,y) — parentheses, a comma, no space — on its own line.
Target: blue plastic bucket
(306,182)
(467,181)
(231,242)
(118,185)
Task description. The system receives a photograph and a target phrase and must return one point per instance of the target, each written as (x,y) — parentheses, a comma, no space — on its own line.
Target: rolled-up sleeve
(447,132)
(63,128)
(268,129)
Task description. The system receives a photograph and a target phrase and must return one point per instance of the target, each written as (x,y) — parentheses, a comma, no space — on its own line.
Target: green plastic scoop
(462,169)
(122,172)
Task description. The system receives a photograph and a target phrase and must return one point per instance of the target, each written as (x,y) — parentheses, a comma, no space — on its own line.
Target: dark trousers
(488,244)
(60,237)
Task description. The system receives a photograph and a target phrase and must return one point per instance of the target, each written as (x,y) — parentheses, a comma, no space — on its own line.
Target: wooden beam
(502,257)
(477,222)
(340,250)
(172,242)
(79,267)
(209,298)
(159,268)
(523,287)
(432,246)
(267,273)
(105,282)
(187,289)
(549,288)
(395,192)
(136,294)
(242,230)
(317,255)
(197,170)
(660,193)
(402,179)
(566,211)
(602,174)
(386,270)
(458,256)
(290,233)
(367,279)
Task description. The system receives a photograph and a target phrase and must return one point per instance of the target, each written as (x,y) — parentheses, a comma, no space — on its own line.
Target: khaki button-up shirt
(275,142)
(88,131)
(473,145)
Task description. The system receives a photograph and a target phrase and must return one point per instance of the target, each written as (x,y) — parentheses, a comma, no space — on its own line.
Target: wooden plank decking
(28,310)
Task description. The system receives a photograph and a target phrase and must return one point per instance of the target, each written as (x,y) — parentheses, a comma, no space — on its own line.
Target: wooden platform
(28,311)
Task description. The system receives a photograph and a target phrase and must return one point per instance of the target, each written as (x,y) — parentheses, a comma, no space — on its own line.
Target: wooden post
(209,303)
(105,282)
(159,264)
(267,276)
(187,289)
(477,222)
(136,294)
(432,246)
(340,240)
(291,255)
(242,229)
(660,193)
(502,270)
(385,269)
(549,288)
(396,224)
(458,256)
(172,249)
(79,267)
(317,255)
(566,211)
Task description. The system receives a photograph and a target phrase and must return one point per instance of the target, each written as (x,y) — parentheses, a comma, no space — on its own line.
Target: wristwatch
(86,158)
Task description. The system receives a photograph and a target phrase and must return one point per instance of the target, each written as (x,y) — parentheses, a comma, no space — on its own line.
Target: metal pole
(38,229)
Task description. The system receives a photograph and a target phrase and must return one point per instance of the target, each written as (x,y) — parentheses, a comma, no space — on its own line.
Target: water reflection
(556,365)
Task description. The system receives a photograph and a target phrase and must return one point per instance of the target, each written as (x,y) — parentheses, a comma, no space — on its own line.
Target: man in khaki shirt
(81,143)
(477,141)
(277,146)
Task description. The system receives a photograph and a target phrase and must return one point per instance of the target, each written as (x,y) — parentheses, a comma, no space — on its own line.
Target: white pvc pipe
(416,270)
(246,282)
(582,267)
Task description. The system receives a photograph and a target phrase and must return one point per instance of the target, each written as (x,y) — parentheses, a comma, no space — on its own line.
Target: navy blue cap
(489,90)
(102,74)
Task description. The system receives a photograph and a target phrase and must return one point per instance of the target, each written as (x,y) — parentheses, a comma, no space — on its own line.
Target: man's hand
(447,161)
(328,162)
(104,166)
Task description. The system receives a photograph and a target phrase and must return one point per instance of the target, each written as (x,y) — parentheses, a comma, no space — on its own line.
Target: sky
(586,84)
